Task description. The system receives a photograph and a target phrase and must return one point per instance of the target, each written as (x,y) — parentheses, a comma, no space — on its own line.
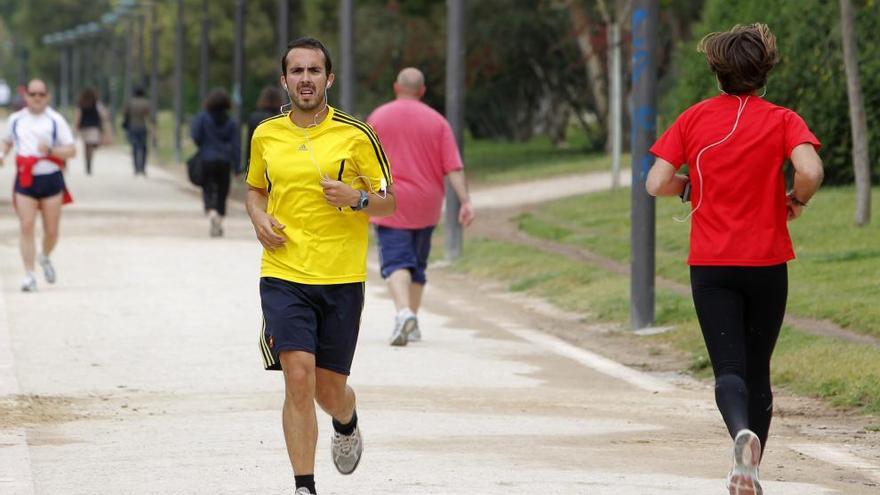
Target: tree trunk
(856,114)
(595,71)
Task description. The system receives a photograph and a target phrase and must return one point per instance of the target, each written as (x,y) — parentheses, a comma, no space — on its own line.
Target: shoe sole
(746,457)
(402,337)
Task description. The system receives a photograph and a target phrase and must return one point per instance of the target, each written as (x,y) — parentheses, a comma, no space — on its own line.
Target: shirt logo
(302,147)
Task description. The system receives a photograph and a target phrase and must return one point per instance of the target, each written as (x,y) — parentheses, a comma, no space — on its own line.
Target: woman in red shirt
(735,145)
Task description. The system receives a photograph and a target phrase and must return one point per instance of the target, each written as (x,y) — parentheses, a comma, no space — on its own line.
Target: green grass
(166,139)
(488,161)
(844,374)
(835,276)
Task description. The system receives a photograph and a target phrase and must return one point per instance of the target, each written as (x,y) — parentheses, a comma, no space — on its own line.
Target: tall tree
(858,121)
(592,50)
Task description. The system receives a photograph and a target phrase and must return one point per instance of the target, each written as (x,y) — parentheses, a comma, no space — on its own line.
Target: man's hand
(339,194)
(465,214)
(266,226)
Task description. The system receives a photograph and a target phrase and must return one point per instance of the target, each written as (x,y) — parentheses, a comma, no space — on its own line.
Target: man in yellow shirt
(316,175)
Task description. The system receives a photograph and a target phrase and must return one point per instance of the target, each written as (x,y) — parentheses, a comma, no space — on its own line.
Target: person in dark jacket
(216,135)
(268,105)
(138,124)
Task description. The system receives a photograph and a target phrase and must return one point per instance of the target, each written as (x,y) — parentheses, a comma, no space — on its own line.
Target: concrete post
(644,81)
(455,60)
(178,82)
(346,48)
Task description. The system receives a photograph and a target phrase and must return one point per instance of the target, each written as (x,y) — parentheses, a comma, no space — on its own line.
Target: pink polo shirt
(422,150)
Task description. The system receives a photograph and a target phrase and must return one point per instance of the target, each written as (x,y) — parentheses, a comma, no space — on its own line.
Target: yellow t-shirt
(325,244)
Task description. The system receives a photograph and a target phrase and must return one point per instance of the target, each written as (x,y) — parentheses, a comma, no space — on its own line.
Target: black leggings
(740,311)
(215,185)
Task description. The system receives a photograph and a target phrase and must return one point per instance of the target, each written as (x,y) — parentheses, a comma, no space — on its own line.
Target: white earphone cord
(739,112)
(314,160)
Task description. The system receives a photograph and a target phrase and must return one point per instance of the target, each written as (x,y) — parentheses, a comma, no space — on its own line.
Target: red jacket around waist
(25,167)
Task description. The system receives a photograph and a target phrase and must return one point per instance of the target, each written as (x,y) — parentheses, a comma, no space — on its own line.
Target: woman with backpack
(219,154)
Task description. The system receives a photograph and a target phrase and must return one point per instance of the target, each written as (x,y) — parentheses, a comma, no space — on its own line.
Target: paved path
(541,190)
(139,373)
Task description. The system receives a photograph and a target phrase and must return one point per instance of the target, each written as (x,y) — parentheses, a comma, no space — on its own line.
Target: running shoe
(29,284)
(403,326)
(743,478)
(302,491)
(346,450)
(216,227)
(48,269)
(416,334)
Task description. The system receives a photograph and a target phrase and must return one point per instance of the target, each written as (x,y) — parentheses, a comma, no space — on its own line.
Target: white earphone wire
(305,134)
(739,112)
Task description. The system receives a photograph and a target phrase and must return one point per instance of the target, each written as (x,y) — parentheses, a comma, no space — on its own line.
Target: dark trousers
(138,140)
(740,311)
(215,185)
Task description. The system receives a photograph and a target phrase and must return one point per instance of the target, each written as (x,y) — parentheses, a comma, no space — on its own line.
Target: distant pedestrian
(315,176)
(423,151)
(91,121)
(735,145)
(216,135)
(42,141)
(268,105)
(138,124)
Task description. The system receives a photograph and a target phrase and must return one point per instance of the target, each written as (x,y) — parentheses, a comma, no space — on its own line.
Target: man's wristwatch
(363,202)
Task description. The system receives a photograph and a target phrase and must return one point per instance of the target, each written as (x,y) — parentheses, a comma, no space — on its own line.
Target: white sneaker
(48,269)
(416,334)
(346,450)
(403,326)
(216,227)
(29,284)
(302,491)
(743,478)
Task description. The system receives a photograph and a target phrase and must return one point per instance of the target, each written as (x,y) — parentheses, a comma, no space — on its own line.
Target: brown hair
(742,57)
(88,98)
(270,98)
(217,100)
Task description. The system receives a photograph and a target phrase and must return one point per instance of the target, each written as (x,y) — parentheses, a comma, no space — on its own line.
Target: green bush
(810,77)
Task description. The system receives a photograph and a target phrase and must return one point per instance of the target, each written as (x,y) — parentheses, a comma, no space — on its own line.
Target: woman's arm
(77,117)
(663,181)
(808,172)
(195,129)
(808,175)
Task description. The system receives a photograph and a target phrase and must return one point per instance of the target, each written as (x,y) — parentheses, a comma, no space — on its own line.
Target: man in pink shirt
(422,151)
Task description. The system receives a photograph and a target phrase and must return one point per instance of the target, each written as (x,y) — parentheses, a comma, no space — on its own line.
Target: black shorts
(44,186)
(321,319)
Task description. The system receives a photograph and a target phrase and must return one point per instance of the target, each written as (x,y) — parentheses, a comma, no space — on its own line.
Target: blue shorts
(321,319)
(44,186)
(404,248)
